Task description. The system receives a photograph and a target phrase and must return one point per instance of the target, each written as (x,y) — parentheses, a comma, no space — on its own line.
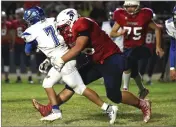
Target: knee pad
(79,89)
(52,77)
(74,81)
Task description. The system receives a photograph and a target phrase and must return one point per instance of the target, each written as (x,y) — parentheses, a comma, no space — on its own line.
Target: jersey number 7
(50,31)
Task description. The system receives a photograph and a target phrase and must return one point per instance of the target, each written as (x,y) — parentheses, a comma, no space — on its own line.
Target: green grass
(17,109)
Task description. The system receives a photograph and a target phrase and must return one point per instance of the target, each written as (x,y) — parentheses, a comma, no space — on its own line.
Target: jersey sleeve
(28,36)
(117,16)
(149,14)
(82,25)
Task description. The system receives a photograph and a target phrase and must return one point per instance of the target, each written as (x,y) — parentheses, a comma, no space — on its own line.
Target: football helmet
(110,15)
(3,16)
(174,14)
(32,15)
(41,12)
(19,13)
(130,3)
(67,16)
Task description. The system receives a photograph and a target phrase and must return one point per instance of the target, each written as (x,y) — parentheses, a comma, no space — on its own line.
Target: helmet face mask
(132,7)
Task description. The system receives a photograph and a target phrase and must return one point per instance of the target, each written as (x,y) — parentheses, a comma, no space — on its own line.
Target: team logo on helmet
(71,14)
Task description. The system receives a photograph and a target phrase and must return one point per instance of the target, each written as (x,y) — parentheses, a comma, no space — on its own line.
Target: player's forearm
(173,54)
(115,34)
(73,52)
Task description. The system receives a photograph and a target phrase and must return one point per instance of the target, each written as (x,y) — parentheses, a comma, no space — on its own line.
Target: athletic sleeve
(173,52)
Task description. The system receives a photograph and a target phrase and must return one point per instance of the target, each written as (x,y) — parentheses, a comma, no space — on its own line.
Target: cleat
(112,114)
(143,93)
(161,80)
(52,117)
(30,81)
(146,109)
(149,82)
(44,110)
(7,81)
(18,80)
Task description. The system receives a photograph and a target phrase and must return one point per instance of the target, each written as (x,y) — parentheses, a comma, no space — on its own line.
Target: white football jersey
(118,40)
(47,38)
(170,28)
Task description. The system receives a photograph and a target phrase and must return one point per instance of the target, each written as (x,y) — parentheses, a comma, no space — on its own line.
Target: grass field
(17,109)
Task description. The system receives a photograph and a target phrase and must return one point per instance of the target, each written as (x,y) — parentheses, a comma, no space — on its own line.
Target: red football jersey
(135,24)
(100,42)
(5,28)
(150,40)
(19,27)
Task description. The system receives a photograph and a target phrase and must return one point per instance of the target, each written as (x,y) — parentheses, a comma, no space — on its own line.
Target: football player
(107,26)
(107,61)
(6,41)
(42,34)
(171,30)
(135,21)
(151,61)
(18,26)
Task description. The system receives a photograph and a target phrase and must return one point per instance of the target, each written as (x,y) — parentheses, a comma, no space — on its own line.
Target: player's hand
(173,74)
(123,32)
(159,52)
(57,63)
(44,66)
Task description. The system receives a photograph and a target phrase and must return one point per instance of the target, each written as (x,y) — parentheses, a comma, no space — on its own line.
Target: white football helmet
(19,10)
(67,16)
(3,14)
(132,3)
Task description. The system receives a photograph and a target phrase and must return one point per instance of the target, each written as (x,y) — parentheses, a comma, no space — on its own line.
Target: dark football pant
(111,70)
(40,57)
(133,56)
(19,50)
(6,54)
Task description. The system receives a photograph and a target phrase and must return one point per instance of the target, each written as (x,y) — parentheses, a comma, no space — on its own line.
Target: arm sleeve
(173,53)
(83,33)
(30,47)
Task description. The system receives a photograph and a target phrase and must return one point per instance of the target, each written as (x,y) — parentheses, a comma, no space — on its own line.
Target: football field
(17,109)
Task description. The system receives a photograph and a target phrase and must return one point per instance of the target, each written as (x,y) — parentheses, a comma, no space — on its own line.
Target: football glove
(44,66)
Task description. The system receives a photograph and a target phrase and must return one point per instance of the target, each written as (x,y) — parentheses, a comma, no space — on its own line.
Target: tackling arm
(114,30)
(81,42)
